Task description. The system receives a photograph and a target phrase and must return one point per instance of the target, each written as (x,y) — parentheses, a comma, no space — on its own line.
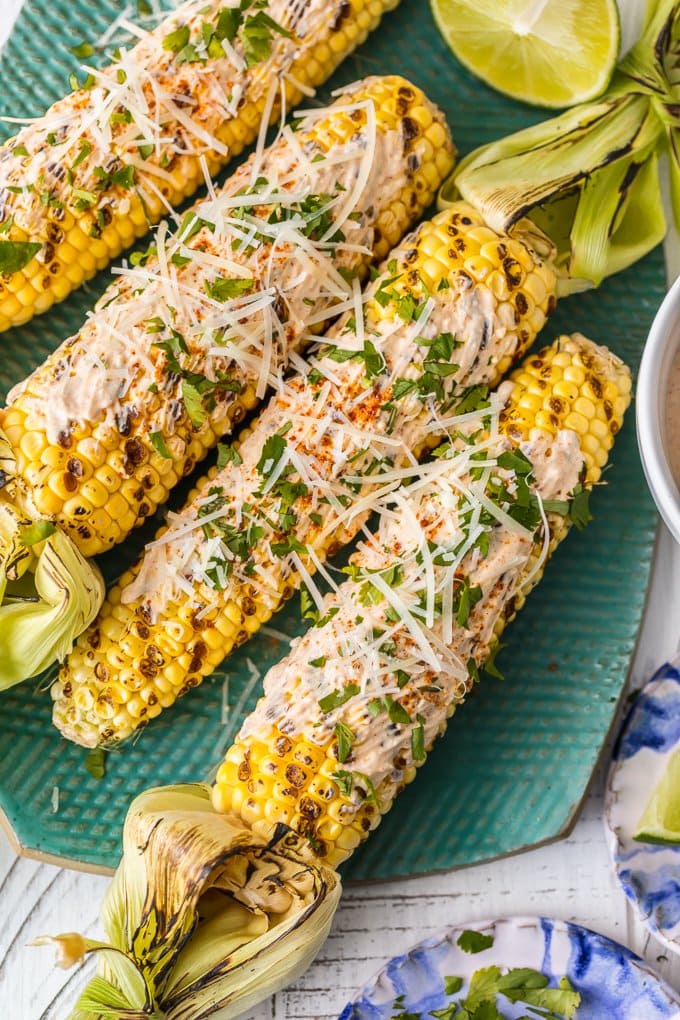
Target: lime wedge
(660,822)
(547,52)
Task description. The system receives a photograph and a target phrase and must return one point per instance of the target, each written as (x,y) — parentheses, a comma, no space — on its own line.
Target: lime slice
(660,822)
(547,52)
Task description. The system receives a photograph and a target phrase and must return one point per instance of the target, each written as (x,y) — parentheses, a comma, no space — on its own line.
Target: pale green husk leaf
(590,177)
(204,917)
(49,594)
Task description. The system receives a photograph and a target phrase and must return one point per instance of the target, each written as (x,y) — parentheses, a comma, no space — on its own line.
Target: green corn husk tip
(203,917)
(590,178)
(49,594)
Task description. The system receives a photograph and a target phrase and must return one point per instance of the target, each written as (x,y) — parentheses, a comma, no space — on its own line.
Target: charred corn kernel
(426,268)
(180,393)
(338,798)
(101,184)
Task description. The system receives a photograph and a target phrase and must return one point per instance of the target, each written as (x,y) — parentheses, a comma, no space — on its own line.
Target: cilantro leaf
(474,941)
(257,36)
(338,697)
(345,737)
(418,751)
(227,454)
(158,442)
(344,781)
(14,255)
(579,511)
(95,762)
(515,460)
(85,49)
(177,40)
(223,289)
(193,402)
(272,452)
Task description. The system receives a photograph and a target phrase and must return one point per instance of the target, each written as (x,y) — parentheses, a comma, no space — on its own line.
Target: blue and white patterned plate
(650,875)
(613,982)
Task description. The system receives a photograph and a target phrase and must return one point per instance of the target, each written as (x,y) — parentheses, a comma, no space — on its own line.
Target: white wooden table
(571,879)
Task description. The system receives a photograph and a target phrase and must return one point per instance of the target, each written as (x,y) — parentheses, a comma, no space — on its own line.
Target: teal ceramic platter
(517,759)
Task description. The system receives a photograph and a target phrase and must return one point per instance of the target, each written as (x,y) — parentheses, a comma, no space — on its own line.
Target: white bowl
(663,344)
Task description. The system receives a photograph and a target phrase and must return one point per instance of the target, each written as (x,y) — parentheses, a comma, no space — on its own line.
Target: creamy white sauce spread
(432,657)
(672,419)
(339,438)
(114,363)
(171,106)
(557,461)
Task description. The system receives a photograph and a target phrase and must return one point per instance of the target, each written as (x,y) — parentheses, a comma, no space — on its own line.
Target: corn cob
(349,715)
(176,353)
(300,485)
(79,184)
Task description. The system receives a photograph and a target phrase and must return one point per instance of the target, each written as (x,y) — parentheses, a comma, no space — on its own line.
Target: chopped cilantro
(158,442)
(490,666)
(272,452)
(318,663)
(418,739)
(337,698)
(227,454)
(177,40)
(257,36)
(223,289)
(193,402)
(345,737)
(288,545)
(85,49)
(579,510)
(95,762)
(344,781)
(14,255)
(474,941)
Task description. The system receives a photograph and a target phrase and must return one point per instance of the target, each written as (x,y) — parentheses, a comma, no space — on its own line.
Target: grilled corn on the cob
(104,163)
(348,716)
(186,341)
(454,307)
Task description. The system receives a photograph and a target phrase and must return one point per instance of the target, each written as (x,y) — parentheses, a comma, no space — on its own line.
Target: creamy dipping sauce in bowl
(658,410)
(671,435)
